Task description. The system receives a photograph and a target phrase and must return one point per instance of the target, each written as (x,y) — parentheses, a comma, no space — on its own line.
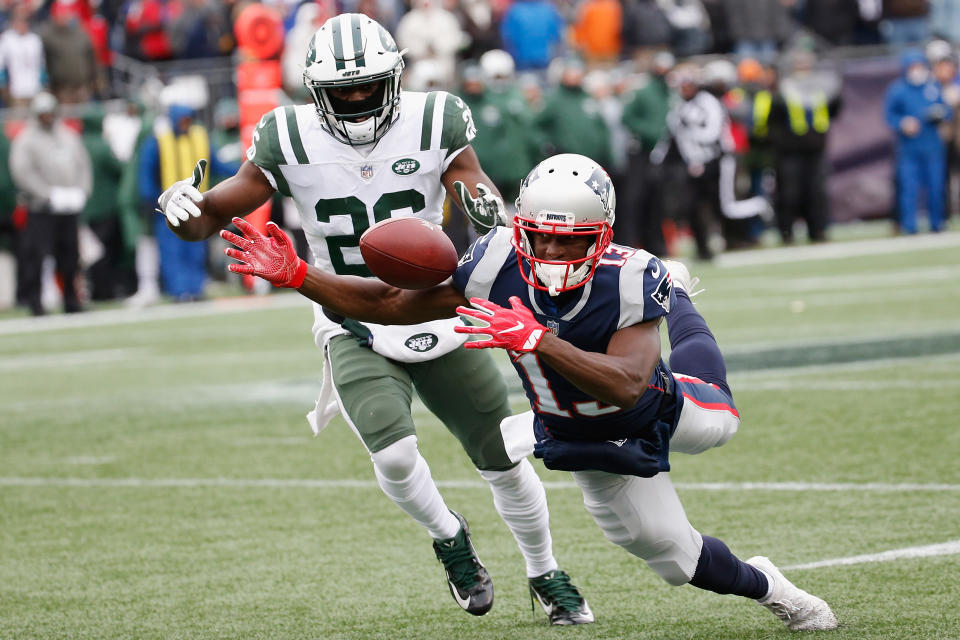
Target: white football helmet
(567,194)
(349,50)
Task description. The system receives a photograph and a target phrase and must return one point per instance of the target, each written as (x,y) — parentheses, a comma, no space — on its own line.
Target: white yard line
(836,250)
(895,277)
(219,306)
(64,359)
(942,549)
(297,483)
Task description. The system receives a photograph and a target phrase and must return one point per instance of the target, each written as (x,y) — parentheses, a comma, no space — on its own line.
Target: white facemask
(551,275)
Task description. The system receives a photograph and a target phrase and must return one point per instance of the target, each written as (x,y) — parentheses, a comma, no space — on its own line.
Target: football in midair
(409,253)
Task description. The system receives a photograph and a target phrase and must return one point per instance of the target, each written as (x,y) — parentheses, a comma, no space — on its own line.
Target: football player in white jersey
(365,151)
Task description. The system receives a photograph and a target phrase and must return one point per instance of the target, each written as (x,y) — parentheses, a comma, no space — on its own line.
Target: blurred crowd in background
(717,119)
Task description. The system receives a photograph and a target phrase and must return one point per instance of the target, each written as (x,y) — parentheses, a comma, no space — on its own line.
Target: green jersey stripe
(337,44)
(282,187)
(427,131)
(357,30)
(293,129)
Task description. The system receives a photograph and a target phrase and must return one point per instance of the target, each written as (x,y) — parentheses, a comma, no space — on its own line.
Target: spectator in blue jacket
(532,32)
(914,110)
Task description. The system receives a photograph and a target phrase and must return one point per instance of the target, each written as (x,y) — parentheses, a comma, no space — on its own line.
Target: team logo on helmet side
(601,185)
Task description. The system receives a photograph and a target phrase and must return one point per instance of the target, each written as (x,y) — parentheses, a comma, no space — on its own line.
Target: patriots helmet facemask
(570,195)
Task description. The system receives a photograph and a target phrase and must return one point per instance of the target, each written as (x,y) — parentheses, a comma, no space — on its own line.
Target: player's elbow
(628,393)
(393,306)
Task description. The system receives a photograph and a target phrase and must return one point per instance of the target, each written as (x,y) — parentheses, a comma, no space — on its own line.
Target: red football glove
(271,256)
(515,328)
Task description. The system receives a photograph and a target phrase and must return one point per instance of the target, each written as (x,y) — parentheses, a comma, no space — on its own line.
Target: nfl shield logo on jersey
(366,171)
(553,326)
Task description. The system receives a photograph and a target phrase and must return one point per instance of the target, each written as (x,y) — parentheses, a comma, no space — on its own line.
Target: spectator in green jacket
(505,142)
(644,117)
(102,213)
(571,121)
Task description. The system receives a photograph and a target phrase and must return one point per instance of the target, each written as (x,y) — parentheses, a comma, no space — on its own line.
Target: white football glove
(486,211)
(177,202)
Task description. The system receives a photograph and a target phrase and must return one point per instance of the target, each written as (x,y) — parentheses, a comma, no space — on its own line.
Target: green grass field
(158,479)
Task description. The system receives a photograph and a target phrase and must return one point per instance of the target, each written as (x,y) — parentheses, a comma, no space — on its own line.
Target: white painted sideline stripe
(107,317)
(827,251)
(283,483)
(942,549)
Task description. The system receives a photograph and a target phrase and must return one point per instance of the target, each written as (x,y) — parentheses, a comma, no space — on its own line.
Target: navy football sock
(720,571)
(694,349)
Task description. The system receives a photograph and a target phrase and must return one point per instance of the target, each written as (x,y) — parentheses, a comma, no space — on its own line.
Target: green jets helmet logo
(421,342)
(405,167)
(311,52)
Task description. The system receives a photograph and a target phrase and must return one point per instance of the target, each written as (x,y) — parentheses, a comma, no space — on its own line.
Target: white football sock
(519,497)
(404,476)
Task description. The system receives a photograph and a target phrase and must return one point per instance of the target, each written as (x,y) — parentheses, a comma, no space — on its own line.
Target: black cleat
(560,599)
(468,579)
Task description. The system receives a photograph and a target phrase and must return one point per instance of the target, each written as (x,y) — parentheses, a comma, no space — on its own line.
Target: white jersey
(340,191)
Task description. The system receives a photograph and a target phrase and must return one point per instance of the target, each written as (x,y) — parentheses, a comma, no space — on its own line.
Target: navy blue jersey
(629,286)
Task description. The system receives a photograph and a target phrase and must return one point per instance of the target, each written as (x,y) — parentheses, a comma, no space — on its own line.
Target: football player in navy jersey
(580,319)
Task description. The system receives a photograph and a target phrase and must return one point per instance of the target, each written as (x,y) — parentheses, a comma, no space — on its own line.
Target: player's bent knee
(674,568)
(396,461)
(700,429)
(379,413)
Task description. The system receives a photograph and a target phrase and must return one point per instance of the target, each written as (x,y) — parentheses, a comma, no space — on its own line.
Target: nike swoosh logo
(656,274)
(463,602)
(516,327)
(547,607)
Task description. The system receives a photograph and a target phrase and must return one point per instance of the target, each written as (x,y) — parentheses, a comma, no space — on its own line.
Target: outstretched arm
(273,257)
(195,216)
(618,377)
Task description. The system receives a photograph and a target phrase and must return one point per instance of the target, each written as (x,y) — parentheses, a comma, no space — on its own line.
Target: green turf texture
(844,370)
